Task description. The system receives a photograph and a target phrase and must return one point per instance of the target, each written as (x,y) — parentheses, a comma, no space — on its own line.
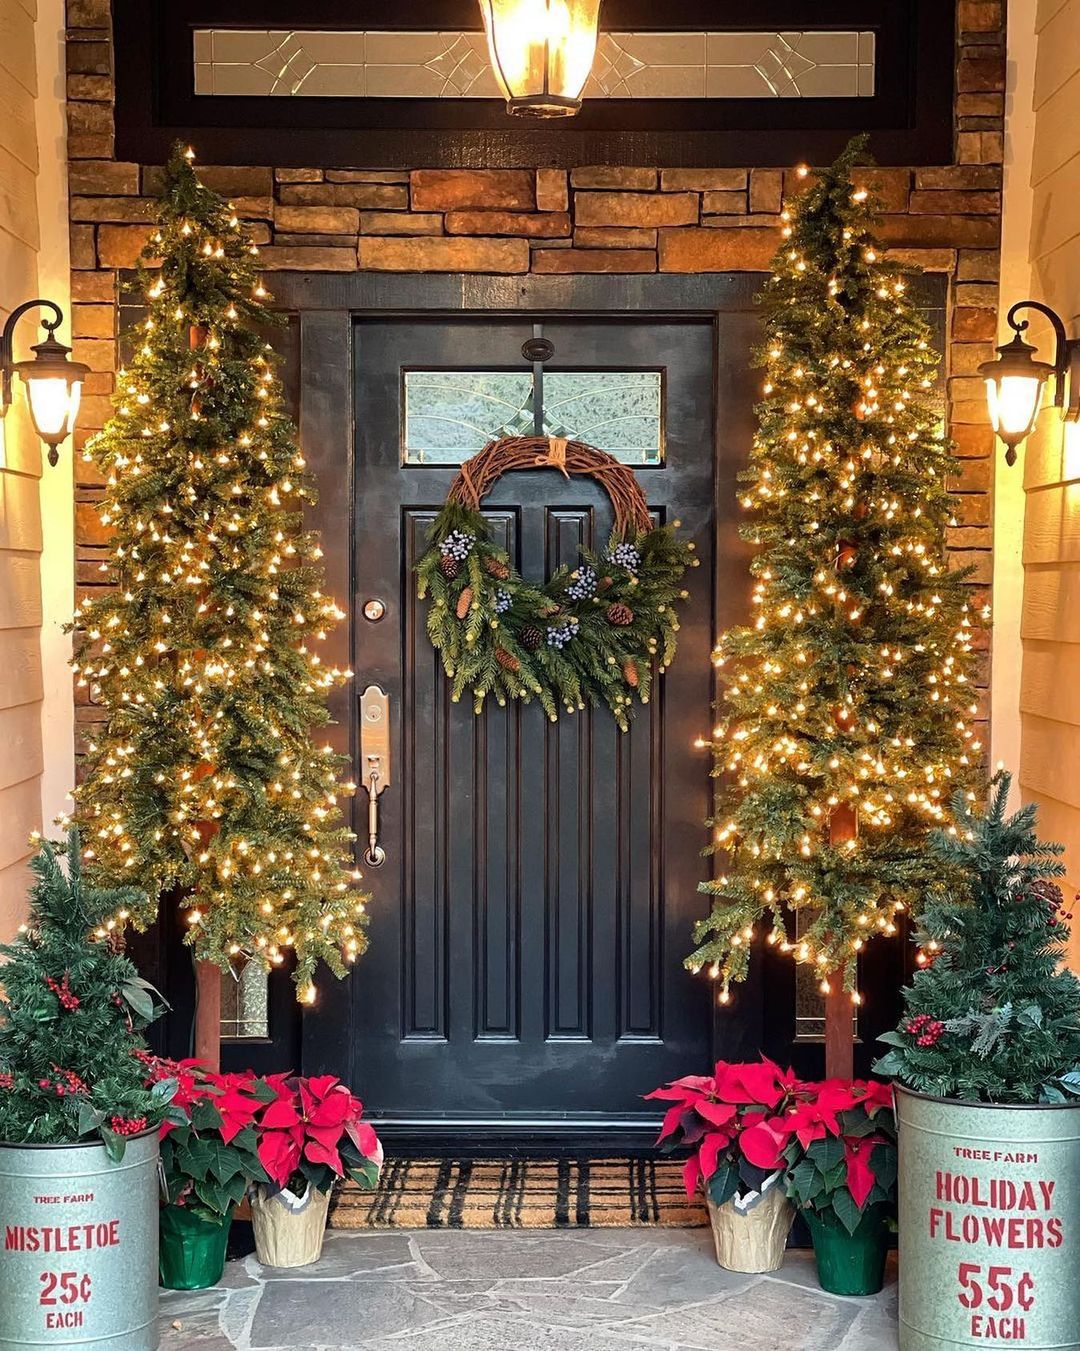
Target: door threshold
(518,1137)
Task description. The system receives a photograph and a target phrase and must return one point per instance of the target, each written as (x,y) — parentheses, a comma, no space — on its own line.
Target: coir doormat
(574,1193)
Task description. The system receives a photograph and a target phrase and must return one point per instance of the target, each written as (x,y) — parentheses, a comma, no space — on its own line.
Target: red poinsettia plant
(208,1140)
(838,1142)
(725,1119)
(311,1132)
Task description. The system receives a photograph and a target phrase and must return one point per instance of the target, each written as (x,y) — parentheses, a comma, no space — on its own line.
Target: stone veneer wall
(608,219)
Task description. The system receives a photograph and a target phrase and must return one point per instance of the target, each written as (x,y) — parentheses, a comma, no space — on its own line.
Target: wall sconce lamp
(53,382)
(542,52)
(1015,380)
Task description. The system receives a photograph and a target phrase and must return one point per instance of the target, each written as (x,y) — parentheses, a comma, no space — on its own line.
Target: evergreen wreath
(590,635)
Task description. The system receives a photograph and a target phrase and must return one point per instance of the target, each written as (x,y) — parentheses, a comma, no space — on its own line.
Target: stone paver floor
(580,1290)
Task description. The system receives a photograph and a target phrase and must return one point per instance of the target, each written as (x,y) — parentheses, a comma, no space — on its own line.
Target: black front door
(529,923)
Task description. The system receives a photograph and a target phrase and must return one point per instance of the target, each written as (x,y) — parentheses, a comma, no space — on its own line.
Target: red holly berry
(7,1081)
(62,990)
(127,1125)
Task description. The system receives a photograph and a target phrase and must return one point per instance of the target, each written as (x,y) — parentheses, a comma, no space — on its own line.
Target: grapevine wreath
(590,635)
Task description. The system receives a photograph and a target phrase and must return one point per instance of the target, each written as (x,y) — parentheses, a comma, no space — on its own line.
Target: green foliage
(203,1173)
(863,1156)
(995,1017)
(204,776)
(70,1029)
(608,658)
(849,699)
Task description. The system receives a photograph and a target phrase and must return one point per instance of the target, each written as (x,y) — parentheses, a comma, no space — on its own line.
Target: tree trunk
(839,1023)
(839,1030)
(208,1014)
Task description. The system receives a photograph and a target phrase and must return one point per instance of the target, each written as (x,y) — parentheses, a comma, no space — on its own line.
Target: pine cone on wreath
(630,674)
(619,614)
(449,567)
(531,638)
(497,568)
(464,601)
(507,660)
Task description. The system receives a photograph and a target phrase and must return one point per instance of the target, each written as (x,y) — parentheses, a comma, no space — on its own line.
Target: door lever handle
(375,753)
(375,854)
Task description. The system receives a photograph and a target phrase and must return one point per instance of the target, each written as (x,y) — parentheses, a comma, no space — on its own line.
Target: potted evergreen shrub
(736,1158)
(208,1159)
(310,1135)
(839,1145)
(987,1064)
(78,1120)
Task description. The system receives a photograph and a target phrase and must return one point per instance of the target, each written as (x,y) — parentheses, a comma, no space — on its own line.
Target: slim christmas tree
(847,704)
(73,1065)
(994,1017)
(205,776)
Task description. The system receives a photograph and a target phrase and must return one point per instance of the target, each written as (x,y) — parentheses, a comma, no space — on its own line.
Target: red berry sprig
(927,1031)
(67,1083)
(62,990)
(131,1125)
(7,1081)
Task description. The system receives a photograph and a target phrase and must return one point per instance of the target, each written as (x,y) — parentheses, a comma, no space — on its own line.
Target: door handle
(375,758)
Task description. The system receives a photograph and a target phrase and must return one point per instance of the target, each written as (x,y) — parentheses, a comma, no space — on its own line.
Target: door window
(448,415)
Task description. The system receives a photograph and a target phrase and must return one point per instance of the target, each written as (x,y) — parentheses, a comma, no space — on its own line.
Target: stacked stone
(592,219)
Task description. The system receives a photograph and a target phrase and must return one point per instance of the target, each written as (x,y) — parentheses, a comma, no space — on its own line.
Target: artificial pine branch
(206,774)
(73,1065)
(995,1016)
(854,686)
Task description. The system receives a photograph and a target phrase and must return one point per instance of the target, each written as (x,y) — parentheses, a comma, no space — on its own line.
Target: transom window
(306,63)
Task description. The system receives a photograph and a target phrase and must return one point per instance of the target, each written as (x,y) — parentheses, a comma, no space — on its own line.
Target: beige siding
(1050,690)
(20,470)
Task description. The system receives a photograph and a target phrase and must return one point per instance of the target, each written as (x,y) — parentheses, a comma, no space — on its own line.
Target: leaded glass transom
(449,415)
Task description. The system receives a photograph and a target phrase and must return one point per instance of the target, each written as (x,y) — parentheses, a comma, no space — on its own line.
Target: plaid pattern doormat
(578,1193)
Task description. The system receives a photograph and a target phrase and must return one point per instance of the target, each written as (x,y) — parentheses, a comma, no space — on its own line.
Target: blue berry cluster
(458,544)
(559,635)
(503,600)
(625,556)
(582,584)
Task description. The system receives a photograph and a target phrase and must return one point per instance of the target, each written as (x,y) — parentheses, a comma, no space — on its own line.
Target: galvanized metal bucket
(989,1225)
(78,1246)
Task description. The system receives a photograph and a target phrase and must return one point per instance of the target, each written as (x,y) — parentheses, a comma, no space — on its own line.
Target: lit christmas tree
(847,705)
(205,775)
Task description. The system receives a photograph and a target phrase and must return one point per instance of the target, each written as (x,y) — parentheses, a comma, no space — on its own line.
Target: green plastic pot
(850,1264)
(192,1251)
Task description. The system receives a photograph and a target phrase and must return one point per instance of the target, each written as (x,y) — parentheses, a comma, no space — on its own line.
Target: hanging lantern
(542,52)
(53,381)
(1015,380)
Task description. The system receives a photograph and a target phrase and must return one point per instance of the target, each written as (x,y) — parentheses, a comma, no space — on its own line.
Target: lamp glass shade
(53,389)
(542,52)
(54,405)
(1013,401)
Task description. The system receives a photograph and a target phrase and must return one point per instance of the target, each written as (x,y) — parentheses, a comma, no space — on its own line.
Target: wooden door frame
(325,308)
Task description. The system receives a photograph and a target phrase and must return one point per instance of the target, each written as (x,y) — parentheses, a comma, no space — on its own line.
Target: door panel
(529,924)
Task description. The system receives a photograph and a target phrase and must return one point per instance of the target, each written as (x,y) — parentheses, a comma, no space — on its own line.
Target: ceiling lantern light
(1015,380)
(542,52)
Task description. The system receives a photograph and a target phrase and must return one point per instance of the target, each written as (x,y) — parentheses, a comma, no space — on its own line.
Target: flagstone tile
(333,1313)
(763,1317)
(675,1276)
(348,1255)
